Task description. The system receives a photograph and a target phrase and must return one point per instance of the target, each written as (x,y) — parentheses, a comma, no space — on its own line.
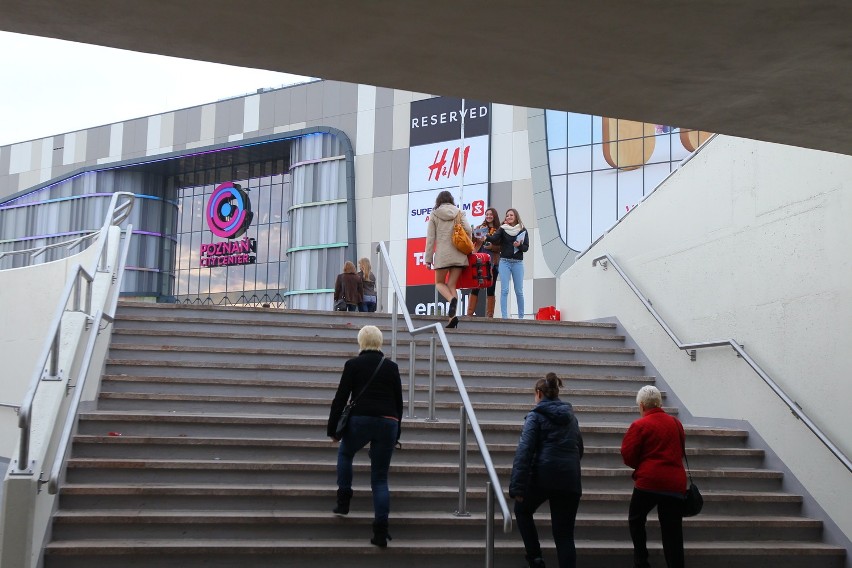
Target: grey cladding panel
(384,97)
(282,108)
(348,98)
(331,98)
(5,159)
(223,110)
(179,130)
(193,124)
(135,138)
(97,143)
(384,129)
(382,174)
(314,100)
(267,111)
(399,172)
(298,102)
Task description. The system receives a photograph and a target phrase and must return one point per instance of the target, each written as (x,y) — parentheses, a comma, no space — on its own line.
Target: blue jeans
(381,434)
(563,512)
(369,304)
(514,269)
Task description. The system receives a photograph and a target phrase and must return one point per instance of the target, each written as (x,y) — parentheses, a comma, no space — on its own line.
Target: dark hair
(495,221)
(549,386)
(444,197)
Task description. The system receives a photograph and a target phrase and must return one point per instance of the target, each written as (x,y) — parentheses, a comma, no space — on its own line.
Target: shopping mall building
(260,199)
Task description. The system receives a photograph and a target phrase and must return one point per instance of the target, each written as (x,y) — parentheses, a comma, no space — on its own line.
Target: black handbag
(694,502)
(343,421)
(340,305)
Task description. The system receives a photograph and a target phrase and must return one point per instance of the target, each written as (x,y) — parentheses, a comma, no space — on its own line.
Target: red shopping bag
(548,313)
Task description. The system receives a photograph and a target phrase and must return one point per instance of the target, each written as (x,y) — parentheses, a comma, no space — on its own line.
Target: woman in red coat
(653,446)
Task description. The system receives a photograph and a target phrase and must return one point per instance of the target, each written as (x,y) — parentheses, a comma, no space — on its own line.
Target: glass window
(557,129)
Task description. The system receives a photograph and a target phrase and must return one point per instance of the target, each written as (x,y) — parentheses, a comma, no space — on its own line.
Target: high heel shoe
(454,322)
(453,304)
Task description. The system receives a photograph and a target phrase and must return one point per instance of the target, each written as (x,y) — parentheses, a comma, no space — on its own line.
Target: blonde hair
(649,396)
(366,267)
(349,267)
(370,337)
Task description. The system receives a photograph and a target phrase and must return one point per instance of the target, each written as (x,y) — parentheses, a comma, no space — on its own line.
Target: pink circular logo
(229,211)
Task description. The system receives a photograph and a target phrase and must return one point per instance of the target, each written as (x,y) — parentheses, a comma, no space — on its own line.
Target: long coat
(439,237)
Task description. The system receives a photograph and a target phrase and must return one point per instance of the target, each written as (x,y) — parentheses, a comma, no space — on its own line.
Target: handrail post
(432,356)
(54,351)
(489,525)
(462,510)
(394,321)
(411,360)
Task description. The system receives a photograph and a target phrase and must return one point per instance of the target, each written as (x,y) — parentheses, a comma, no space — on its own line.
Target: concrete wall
(28,302)
(26,506)
(749,241)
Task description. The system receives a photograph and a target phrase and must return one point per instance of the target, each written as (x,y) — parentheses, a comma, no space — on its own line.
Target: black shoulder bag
(694,502)
(343,422)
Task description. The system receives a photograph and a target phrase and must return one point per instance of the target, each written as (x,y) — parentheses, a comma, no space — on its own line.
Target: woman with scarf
(513,241)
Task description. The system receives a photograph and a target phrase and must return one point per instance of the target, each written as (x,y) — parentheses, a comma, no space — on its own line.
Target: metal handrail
(606,260)
(107,315)
(116,214)
(467,405)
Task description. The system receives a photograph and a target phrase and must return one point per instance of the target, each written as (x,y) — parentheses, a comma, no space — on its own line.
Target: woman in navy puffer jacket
(547,468)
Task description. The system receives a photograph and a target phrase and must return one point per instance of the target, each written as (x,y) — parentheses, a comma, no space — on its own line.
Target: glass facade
(264,281)
(320,219)
(602,167)
(77,206)
(300,192)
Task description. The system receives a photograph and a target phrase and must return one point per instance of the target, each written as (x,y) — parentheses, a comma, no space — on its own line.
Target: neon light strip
(93,232)
(73,197)
(317,203)
(317,291)
(317,161)
(317,247)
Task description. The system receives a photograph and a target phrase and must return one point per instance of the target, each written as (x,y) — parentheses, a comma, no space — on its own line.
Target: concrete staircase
(208,448)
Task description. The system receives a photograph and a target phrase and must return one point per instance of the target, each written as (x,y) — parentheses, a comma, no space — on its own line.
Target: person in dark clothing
(513,240)
(653,446)
(492,225)
(350,287)
(547,468)
(375,419)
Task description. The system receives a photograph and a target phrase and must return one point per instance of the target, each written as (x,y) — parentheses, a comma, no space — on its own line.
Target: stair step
(312,524)
(275,426)
(414,451)
(422,553)
(302,406)
(118,495)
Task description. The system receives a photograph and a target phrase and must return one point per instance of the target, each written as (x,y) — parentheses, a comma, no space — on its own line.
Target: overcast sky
(52,86)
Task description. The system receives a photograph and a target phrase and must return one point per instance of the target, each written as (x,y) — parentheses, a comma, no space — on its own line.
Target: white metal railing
(607,260)
(47,366)
(468,415)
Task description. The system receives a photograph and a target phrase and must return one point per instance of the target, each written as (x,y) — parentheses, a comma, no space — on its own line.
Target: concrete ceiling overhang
(774,70)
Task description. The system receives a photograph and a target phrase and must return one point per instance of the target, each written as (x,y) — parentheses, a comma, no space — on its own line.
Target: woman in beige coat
(447,258)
